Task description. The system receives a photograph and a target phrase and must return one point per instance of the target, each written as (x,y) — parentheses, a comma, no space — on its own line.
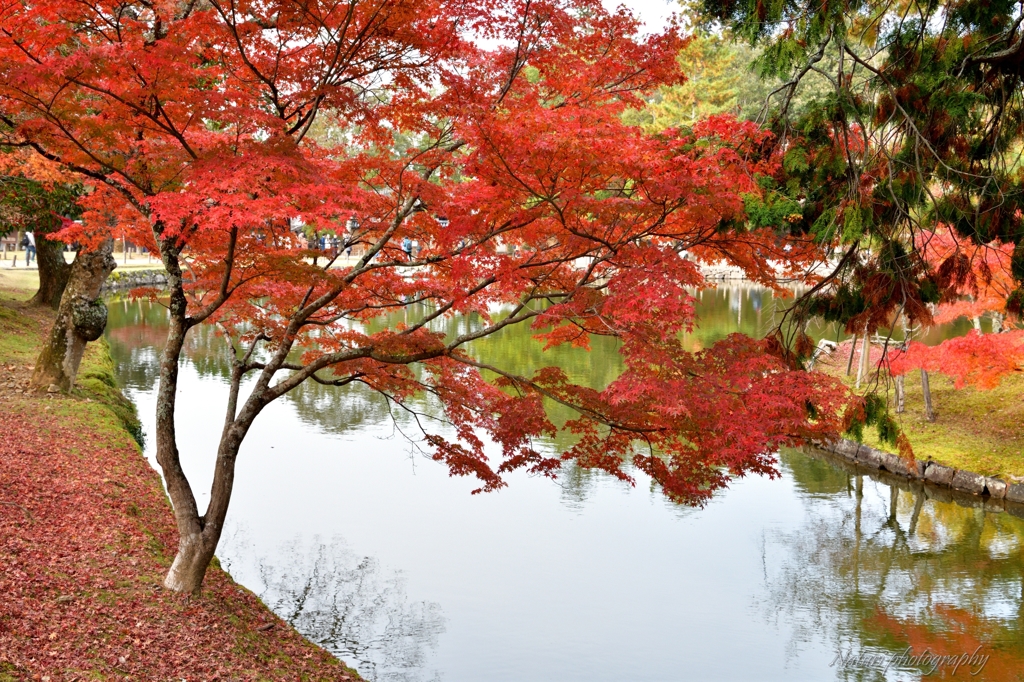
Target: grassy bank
(979,431)
(86,536)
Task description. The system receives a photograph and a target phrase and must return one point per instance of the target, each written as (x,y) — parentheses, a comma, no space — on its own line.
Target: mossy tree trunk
(54,271)
(81,317)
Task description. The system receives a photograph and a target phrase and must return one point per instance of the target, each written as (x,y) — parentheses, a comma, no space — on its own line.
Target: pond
(343,527)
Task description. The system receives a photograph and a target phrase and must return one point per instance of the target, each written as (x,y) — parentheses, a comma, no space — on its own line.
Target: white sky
(654,13)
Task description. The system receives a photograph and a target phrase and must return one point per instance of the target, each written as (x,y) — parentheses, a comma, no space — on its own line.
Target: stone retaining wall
(989,491)
(130,279)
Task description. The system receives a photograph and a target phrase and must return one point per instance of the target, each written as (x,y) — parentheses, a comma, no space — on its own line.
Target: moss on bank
(96,380)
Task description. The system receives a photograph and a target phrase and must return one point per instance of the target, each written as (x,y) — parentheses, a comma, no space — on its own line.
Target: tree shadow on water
(884,566)
(345,603)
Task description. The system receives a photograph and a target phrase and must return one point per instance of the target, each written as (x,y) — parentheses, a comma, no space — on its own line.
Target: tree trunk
(901,395)
(919,498)
(865,358)
(853,349)
(81,318)
(189,566)
(190,563)
(929,413)
(54,271)
(198,536)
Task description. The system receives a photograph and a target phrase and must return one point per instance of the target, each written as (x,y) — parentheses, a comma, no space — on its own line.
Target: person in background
(30,250)
(350,234)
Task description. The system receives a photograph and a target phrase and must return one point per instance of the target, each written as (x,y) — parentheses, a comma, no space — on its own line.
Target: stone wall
(988,491)
(130,279)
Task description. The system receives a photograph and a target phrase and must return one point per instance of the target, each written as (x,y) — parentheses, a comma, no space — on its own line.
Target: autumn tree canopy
(489,132)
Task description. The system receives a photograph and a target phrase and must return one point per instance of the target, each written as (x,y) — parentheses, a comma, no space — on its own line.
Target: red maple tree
(472,155)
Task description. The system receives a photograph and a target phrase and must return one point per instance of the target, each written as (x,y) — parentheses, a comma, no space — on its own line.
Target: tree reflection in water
(883,565)
(345,603)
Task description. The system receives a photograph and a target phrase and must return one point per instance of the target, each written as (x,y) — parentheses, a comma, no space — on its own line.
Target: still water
(370,549)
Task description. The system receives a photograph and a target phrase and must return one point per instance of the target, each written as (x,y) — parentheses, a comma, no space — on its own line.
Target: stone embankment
(939,480)
(131,279)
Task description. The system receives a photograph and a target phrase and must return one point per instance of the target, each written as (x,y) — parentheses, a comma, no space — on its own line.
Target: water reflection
(880,566)
(344,602)
(536,581)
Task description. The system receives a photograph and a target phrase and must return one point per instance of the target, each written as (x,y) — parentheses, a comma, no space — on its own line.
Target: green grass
(979,431)
(17,283)
(9,673)
(97,381)
(21,331)
(19,342)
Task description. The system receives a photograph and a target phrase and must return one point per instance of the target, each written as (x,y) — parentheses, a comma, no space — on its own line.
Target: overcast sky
(654,13)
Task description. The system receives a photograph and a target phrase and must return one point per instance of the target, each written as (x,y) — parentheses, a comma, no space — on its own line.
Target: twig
(15,504)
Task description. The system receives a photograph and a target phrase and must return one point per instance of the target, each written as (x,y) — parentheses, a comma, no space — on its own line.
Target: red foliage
(960,635)
(211,128)
(981,360)
(979,277)
(84,530)
(975,279)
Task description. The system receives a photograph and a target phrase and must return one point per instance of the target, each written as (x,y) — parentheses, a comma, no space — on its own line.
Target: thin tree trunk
(81,318)
(901,395)
(929,413)
(865,358)
(859,496)
(853,349)
(54,271)
(198,536)
(189,566)
(918,506)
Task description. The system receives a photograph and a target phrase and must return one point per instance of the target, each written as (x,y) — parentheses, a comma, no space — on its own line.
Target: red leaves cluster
(690,421)
(84,531)
(979,360)
(977,279)
(490,133)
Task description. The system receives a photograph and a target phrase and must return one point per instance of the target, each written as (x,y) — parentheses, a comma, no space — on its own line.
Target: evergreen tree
(921,127)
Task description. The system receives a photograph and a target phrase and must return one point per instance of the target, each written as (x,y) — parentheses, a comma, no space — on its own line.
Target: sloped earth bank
(86,536)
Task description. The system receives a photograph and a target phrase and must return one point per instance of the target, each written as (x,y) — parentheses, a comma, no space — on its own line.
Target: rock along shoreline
(940,481)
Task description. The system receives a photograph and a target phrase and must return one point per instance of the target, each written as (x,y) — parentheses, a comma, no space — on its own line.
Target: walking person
(30,250)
